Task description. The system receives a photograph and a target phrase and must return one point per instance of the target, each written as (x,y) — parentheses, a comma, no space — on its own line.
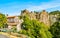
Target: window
(10,20)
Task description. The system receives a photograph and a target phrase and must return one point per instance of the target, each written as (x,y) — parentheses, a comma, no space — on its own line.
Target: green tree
(14,29)
(55,30)
(35,29)
(55,12)
(2,20)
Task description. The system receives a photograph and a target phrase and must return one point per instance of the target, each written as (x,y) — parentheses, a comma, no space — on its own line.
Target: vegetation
(14,29)
(2,20)
(55,12)
(35,29)
(55,30)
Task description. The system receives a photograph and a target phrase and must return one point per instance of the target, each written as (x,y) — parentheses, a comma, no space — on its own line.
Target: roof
(11,16)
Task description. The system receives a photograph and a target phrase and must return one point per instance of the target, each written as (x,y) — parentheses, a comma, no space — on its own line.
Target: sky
(14,7)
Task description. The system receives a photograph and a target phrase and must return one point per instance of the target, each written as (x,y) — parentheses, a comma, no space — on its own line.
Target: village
(29,18)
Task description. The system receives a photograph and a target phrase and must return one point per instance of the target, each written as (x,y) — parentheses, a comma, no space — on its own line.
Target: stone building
(54,18)
(42,17)
(31,15)
(14,21)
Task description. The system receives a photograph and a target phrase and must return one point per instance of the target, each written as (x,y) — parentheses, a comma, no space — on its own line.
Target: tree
(14,29)
(35,29)
(2,20)
(55,30)
(55,12)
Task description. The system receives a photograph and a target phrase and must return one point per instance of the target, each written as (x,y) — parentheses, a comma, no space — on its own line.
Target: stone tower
(31,15)
(24,12)
(44,17)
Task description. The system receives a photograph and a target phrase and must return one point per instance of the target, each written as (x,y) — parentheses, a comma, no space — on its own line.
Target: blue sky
(14,7)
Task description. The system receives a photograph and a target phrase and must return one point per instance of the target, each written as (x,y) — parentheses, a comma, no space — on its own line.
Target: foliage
(55,30)
(55,12)
(2,20)
(14,29)
(35,29)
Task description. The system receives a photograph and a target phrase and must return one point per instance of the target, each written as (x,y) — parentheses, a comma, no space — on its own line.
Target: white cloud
(48,5)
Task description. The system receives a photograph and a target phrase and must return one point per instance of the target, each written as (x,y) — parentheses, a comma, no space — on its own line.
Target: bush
(55,30)
(14,29)
(35,29)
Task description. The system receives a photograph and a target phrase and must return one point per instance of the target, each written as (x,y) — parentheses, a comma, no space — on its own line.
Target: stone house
(14,21)
(54,18)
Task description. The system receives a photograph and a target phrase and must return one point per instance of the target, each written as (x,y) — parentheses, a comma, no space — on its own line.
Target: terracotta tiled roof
(11,16)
